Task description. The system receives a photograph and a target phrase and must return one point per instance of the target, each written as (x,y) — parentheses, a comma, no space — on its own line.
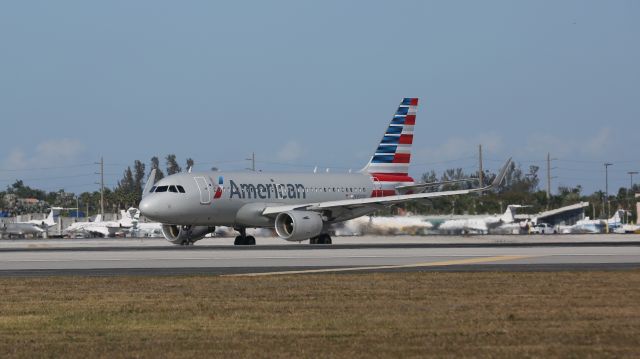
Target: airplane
(142,229)
(79,227)
(588,225)
(300,206)
(411,225)
(480,224)
(418,224)
(100,228)
(33,227)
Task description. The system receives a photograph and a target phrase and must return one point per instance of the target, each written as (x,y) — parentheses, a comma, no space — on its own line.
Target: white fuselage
(221,199)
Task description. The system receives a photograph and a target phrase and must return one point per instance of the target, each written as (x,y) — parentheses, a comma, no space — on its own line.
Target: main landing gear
(321,239)
(243,239)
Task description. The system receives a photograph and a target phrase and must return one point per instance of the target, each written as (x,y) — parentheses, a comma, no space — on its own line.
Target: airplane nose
(149,207)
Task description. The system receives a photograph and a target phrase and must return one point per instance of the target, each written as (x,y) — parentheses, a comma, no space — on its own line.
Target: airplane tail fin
(150,182)
(617,217)
(393,155)
(509,216)
(51,218)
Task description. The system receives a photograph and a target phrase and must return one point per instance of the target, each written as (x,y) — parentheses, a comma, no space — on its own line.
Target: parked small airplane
(447,224)
(100,228)
(587,225)
(33,227)
(143,229)
(299,206)
(481,224)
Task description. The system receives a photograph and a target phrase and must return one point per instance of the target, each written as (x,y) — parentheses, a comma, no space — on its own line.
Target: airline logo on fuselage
(220,188)
(267,191)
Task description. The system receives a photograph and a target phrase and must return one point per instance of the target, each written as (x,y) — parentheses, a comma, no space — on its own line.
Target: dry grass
(566,314)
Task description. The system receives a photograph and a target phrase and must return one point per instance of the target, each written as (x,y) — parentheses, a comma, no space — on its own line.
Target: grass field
(565,314)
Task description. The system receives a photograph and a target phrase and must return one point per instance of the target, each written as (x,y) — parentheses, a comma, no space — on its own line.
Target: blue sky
(305,83)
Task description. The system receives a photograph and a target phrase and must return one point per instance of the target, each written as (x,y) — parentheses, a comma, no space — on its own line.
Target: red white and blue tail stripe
(389,165)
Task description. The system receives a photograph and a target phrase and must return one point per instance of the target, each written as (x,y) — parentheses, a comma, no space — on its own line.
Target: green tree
(22,191)
(127,183)
(172,165)
(138,177)
(155,163)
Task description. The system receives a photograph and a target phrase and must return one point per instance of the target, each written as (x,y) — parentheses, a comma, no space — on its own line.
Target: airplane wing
(421,187)
(350,204)
(97,230)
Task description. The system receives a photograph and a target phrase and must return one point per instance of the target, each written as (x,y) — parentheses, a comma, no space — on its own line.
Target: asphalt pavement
(272,256)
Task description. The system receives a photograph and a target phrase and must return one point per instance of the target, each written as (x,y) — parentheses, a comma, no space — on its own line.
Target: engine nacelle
(298,225)
(185,234)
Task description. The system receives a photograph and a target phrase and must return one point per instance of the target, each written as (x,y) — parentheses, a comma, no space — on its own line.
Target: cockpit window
(173,189)
(180,189)
(152,189)
(162,189)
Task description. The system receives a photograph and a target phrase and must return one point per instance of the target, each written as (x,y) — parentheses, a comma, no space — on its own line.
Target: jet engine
(297,226)
(185,234)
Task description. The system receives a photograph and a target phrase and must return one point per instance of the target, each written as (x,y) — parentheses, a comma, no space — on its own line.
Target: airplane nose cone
(149,207)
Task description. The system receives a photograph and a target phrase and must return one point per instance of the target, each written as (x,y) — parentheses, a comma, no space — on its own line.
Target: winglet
(503,173)
(150,182)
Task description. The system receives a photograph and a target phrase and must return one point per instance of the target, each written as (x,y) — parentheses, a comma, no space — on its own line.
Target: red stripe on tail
(410,120)
(402,158)
(406,139)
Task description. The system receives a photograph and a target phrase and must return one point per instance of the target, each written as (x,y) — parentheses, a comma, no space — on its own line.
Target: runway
(352,254)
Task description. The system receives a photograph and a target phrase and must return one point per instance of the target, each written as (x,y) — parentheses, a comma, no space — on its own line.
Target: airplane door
(205,190)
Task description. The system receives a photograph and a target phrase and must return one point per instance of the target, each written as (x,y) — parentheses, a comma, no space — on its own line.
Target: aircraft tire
(321,239)
(245,241)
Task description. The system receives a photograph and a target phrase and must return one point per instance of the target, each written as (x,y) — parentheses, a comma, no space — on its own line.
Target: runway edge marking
(414,265)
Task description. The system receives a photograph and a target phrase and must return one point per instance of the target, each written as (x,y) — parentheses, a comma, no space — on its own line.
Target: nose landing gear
(243,239)
(187,241)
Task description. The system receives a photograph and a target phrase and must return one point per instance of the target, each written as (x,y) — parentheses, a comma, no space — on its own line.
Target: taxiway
(348,254)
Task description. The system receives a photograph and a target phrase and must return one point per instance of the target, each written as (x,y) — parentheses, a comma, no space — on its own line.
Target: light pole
(631,173)
(606,188)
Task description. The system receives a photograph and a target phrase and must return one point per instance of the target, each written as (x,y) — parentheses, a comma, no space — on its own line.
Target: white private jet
(34,227)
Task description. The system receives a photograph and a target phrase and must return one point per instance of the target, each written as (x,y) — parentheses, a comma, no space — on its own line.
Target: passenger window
(180,189)
(173,189)
(162,189)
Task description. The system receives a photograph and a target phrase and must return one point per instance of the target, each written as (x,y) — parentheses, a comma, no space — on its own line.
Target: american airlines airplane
(299,206)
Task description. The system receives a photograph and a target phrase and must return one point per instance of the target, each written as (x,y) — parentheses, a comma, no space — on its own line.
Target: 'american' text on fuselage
(267,191)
